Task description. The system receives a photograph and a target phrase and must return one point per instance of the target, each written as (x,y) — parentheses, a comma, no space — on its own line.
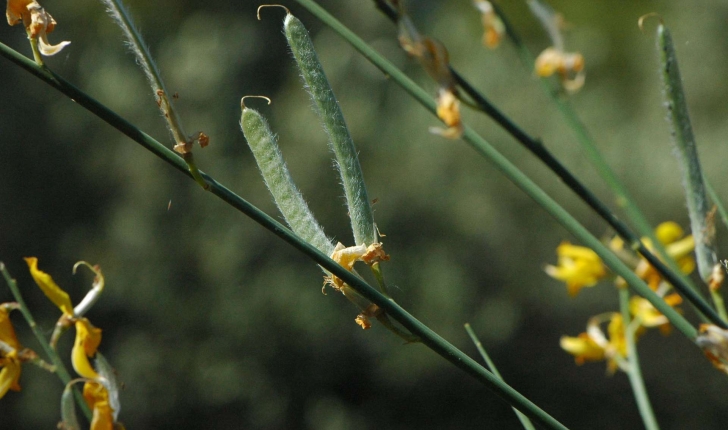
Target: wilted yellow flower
(38,23)
(448,110)
(97,398)
(492,24)
(593,345)
(578,266)
(435,59)
(9,360)
(568,65)
(714,342)
(347,256)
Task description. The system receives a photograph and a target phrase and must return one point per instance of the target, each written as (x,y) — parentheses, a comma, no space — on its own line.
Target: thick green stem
(633,367)
(512,172)
(426,335)
(60,368)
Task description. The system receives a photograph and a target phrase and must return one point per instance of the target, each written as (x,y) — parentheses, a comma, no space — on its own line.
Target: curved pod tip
(242,101)
(288,12)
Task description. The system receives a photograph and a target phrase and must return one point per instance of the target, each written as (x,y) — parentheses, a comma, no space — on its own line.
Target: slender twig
(60,368)
(426,335)
(525,422)
(540,151)
(633,367)
(509,170)
(135,41)
(717,202)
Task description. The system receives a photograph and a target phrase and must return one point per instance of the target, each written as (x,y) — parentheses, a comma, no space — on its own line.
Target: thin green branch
(135,42)
(426,335)
(525,422)
(673,276)
(60,368)
(717,202)
(633,368)
(510,171)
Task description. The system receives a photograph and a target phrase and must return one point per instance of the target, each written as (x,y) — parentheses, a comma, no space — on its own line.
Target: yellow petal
(583,348)
(9,375)
(97,398)
(87,342)
(668,232)
(7,333)
(50,288)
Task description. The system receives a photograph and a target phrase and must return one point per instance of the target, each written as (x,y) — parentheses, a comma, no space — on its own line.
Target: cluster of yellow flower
(581,267)
(96,389)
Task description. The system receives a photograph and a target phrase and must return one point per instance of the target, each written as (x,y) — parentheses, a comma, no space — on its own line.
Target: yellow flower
(578,266)
(50,288)
(9,360)
(568,65)
(492,24)
(678,246)
(648,316)
(87,342)
(97,398)
(593,345)
(38,23)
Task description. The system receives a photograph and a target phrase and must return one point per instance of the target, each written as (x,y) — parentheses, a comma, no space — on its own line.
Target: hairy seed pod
(328,109)
(687,153)
(279,182)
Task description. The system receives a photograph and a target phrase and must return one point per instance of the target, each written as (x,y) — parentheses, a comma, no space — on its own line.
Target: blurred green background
(212,322)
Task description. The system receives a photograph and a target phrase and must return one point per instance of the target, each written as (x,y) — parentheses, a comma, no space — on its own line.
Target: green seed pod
(69,420)
(328,109)
(279,182)
(687,154)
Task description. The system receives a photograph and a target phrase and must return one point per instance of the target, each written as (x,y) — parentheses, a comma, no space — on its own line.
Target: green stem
(633,368)
(377,271)
(426,335)
(514,174)
(525,422)
(60,368)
